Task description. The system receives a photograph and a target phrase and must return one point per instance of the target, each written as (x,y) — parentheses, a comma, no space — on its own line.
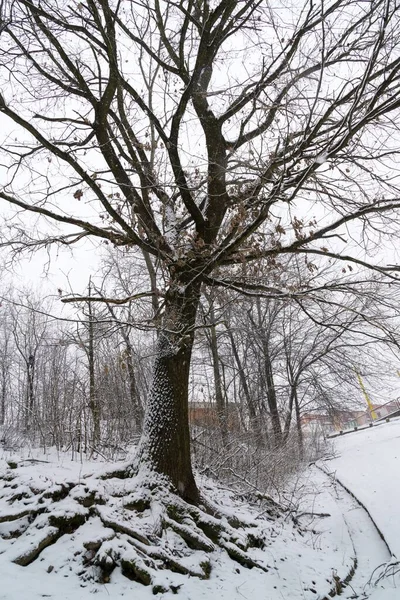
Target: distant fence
(391,408)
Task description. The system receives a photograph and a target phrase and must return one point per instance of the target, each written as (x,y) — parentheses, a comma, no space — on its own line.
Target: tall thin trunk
(271,398)
(269,380)
(30,397)
(219,397)
(3,397)
(133,393)
(298,423)
(288,420)
(165,442)
(5,368)
(93,398)
(293,381)
(254,417)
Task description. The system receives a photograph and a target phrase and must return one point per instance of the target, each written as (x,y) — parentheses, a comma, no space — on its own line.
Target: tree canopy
(217,138)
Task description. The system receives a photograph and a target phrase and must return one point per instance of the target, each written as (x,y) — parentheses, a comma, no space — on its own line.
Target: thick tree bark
(165,443)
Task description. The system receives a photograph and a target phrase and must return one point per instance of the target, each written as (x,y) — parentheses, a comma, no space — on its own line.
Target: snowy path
(370,550)
(367,464)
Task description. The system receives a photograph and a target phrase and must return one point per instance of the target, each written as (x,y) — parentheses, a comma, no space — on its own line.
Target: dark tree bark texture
(165,444)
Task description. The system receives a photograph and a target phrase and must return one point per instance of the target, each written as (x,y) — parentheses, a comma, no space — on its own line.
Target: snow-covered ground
(330,537)
(368,463)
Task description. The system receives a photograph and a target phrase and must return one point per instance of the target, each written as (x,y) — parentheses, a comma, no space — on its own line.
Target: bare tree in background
(5,366)
(264,132)
(29,331)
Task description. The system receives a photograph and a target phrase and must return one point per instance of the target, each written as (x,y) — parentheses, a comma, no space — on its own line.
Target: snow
(323,537)
(368,463)
(321,158)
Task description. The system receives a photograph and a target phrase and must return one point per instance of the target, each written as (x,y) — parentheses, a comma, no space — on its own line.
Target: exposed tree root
(48,537)
(191,534)
(14,516)
(120,528)
(141,527)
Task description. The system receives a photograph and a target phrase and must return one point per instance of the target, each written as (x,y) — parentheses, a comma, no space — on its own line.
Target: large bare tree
(214,136)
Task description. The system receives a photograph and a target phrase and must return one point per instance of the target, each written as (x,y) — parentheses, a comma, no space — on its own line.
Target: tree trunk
(272,399)
(5,369)
(3,397)
(136,403)
(165,442)
(219,396)
(134,396)
(288,420)
(293,382)
(93,397)
(269,380)
(255,419)
(30,400)
(298,424)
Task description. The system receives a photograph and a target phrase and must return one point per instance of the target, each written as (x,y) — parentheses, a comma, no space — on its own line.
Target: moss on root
(49,537)
(67,523)
(136,570)
(136,520)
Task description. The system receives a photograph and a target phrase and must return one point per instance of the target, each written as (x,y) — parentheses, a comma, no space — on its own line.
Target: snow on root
(99,528)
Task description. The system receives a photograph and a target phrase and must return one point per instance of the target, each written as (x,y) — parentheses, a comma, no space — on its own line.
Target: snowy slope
(302,558)
(368,463)
(325,536)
